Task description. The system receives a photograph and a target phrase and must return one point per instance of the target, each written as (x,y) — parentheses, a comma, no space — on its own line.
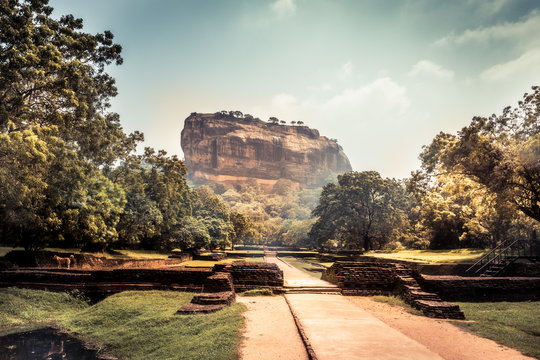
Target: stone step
(312,290)
(214,298)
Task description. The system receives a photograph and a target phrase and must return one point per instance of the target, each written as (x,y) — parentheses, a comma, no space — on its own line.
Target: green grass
(395,301)
(315,271)
(433,256)
(259,252)
(27,309)
(210,263)
(514,324)
(133,324)
(257,292)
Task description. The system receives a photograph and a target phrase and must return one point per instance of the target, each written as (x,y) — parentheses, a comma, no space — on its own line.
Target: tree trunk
(367,243)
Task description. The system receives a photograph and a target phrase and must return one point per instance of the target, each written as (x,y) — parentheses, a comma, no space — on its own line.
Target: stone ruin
(219,289)
(218,292)
(379,278)
(249,276)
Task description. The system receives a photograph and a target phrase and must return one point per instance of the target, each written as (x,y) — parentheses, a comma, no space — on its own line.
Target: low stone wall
(105,282)
(385,278)
(356,278)
(515,269)
(456,288)
(248,276)
(245,276)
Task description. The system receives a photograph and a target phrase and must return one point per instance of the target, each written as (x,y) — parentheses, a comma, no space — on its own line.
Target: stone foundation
(456,288)
(248,276)
(384,278)
(218,292)
(105,282)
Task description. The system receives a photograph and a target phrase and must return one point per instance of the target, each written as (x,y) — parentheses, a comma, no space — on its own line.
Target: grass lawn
(514,324)
(433,256)
(259,252)
(315,271)
(133,324)
(210,263)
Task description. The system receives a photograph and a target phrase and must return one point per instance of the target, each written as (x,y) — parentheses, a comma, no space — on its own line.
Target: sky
(382,77)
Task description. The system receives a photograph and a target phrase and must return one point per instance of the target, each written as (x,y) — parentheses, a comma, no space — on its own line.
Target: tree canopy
(362,211)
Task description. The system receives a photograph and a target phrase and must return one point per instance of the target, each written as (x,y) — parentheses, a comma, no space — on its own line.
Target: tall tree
(53,74)
(503,154)
(363,211)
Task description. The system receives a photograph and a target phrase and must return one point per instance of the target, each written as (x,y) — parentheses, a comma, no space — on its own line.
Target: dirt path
(270,330)
(440,336)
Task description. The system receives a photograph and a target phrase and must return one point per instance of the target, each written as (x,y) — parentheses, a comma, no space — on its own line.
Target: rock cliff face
(231,150)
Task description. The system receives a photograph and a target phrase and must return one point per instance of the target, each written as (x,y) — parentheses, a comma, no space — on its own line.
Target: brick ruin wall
(455,288)
(249,276)
(245,276)
(384,278)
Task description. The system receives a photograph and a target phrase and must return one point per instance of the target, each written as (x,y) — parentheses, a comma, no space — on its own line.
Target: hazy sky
(382,77)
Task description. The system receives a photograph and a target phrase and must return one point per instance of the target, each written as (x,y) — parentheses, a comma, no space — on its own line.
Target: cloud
(514,68)
(378,99)
(426,67)
(284,8)
(284,100)
(490,7)
(524,31)
(345,71)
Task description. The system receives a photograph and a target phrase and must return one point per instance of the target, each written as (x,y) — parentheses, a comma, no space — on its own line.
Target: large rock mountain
(231,149)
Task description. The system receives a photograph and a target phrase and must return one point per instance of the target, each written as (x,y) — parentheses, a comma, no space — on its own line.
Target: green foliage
(515,324)
(481,186)
(243,228)
(279,217)
(53,74)
(362,211)
(54,196)
(68,175)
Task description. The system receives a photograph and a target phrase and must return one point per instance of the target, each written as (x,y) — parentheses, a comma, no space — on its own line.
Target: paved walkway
(295,277)
(337,329)
(270,332)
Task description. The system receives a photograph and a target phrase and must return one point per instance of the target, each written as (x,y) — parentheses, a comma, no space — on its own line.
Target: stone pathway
(337,329)
(270,330)
(294,277)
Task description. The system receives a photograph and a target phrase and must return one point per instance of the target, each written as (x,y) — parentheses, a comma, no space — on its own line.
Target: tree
(214,214)
(53,74)
(300,123)
(243,228)
(502,152)
(49,195)
(362,211)
(293,122)
(273,120)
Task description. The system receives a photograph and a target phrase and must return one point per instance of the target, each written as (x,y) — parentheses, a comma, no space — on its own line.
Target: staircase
(498,259)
